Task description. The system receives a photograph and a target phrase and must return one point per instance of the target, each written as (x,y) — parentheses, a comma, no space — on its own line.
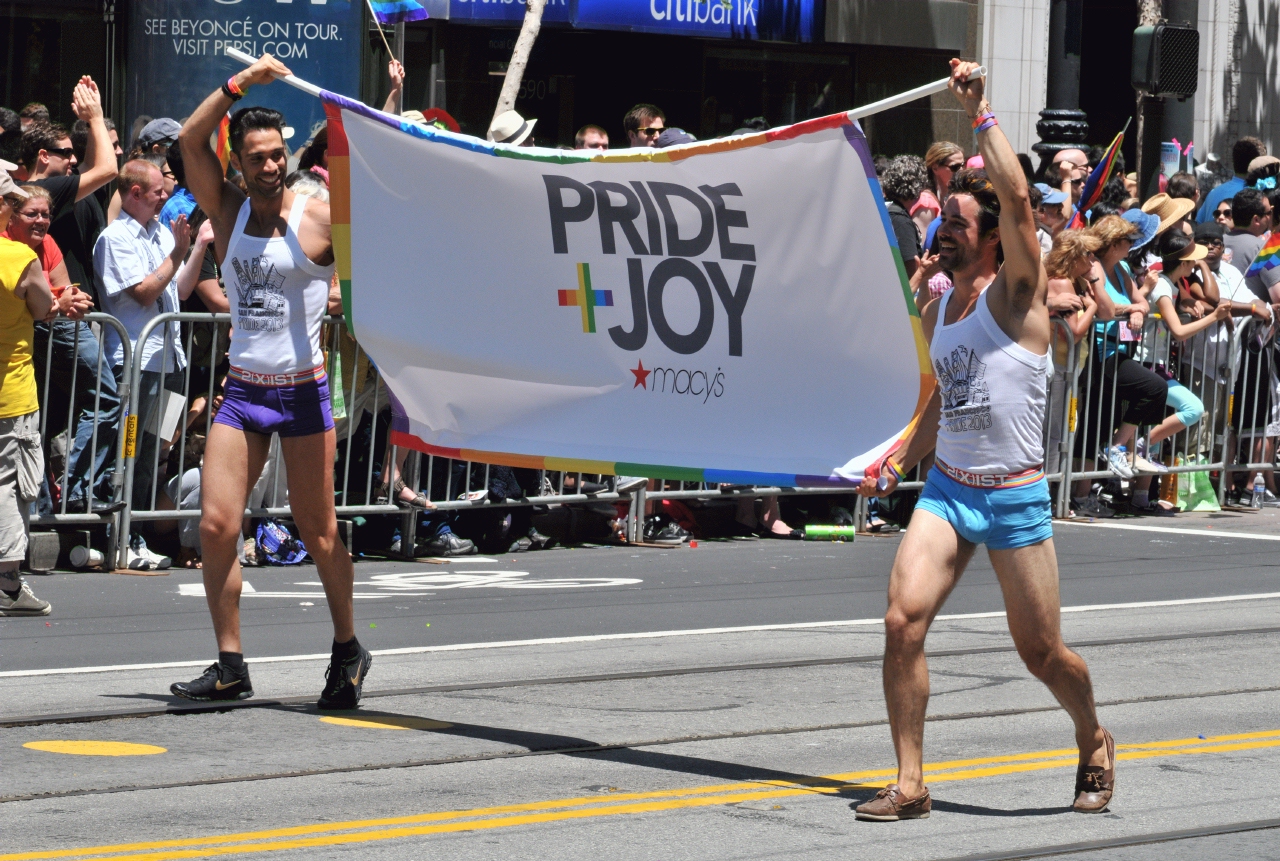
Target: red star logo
(642,376)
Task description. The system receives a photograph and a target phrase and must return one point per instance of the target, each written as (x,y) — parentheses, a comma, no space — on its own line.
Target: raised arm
(396,97)
(205,177)
(189,272)
(99,155)
(1024,277)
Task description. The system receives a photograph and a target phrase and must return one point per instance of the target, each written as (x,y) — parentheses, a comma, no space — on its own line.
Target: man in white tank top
(989,342)
(277,255)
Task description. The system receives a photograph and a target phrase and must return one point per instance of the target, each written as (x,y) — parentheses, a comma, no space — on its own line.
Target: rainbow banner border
(340,214)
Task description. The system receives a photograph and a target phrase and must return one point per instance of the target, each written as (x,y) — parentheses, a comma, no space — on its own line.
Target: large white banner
(734,310)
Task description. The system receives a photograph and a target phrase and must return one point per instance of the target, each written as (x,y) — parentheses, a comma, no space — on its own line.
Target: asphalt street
(717,702)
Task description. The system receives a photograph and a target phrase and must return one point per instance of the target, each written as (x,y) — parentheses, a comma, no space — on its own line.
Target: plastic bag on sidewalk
(1196,491)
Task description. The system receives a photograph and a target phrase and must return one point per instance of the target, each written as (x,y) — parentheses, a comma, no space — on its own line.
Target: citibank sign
(775,20)
(741,13)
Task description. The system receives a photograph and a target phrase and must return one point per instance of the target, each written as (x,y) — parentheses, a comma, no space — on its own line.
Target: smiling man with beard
(277,253)
(989,342)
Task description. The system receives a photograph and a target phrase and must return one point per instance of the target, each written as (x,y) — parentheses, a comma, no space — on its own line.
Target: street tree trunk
(520,56)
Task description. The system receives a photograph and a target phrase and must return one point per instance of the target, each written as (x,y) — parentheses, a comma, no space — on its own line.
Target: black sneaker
(219,682)
(344,679)
(660,529)
(448,544)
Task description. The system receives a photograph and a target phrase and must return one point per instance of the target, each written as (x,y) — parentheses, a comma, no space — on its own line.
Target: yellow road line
(507,816)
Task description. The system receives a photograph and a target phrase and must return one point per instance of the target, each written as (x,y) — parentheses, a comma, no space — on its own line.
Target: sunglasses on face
(953,166)
(1226,211)
(649,132)
(65,152)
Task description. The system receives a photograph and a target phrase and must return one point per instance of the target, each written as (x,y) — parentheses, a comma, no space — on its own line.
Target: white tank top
(278,301)
(993,394)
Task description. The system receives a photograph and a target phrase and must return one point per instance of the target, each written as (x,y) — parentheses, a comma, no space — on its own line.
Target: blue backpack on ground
(277,545)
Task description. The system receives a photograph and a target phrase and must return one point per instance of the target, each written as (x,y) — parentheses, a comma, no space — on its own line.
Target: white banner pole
(909,96)
(292,80)
(857,113)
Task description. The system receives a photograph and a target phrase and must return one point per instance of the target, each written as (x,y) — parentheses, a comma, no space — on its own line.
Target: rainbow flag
(396,11)
(1092,191)
(1268,256)
(223,146)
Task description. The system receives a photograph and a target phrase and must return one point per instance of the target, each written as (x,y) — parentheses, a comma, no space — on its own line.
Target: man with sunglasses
(77,221)
(643,124)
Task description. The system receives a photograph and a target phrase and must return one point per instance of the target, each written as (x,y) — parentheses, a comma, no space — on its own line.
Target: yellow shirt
(17,330)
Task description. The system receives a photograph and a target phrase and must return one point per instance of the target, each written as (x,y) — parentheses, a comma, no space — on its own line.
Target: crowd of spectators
(1164,323)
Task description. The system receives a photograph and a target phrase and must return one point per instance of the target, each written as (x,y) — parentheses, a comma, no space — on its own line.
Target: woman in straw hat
(1170,210)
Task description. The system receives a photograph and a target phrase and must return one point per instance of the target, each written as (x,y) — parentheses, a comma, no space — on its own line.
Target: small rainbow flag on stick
(396,11)
(1268,257)
(1092,191)
(223,148)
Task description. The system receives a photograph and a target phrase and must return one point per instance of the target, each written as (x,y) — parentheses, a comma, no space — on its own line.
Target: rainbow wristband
(234,87)
(983,122)
(893,467)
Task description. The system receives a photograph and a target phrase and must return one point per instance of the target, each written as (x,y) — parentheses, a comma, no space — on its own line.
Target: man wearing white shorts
(989,343)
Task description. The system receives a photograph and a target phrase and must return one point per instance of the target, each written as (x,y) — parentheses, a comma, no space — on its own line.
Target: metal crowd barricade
(100,436)
(359,399)
(1206,365)
(1084,408)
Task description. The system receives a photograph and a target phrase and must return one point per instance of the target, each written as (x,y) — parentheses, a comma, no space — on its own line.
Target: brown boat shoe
(1095,785)
(890,805)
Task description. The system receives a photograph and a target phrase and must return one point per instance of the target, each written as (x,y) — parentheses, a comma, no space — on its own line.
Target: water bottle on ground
(1259,491)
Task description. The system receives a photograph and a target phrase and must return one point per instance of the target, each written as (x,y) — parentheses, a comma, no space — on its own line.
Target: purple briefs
(301,409)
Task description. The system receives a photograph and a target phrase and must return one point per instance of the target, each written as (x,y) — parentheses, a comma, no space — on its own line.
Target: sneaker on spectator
(1090,506)
(1118,462)
(25,603)
(660,529)
(1142,464)
(140,554)
(447,544)
(630,483)
(1270,500)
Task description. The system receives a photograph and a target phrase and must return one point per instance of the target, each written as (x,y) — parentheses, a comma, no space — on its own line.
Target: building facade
(710,64)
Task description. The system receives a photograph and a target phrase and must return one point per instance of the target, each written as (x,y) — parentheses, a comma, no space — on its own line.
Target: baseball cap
(8,187)
(1210,231)
(159,131)
(1262,161)
(674,137)
(1050,195)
